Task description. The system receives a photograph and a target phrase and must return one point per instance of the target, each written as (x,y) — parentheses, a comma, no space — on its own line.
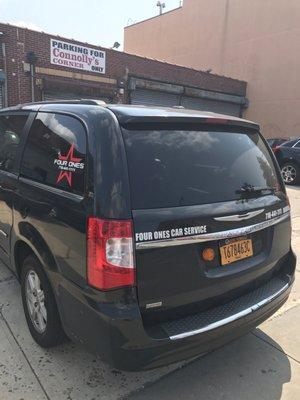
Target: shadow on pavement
(65,372)
(247,369)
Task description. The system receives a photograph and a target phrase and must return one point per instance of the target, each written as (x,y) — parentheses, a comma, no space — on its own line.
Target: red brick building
(38,66)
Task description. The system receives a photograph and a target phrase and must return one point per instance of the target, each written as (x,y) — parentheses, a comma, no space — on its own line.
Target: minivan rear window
(170,168)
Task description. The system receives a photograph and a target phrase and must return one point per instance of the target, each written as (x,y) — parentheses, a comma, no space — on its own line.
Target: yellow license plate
(236,250)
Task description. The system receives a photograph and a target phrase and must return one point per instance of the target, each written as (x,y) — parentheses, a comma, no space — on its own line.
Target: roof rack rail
(91,102)
(34,105)
(94,102)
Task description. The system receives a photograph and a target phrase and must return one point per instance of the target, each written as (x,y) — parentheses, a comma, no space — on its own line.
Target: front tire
(39,305)
(290,173)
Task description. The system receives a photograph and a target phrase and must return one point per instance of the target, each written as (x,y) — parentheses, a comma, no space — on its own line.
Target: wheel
(39,305)
(290,173)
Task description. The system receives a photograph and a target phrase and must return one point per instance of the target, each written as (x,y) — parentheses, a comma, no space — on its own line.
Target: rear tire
(39,305)
(290,173)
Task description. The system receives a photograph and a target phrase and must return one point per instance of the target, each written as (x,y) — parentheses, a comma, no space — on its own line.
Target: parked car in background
(288,157)
(274,142)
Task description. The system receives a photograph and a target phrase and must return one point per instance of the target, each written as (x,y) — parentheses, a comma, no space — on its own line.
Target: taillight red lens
(110,253)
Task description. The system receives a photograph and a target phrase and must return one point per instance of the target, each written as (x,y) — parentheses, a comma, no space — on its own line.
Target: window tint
(11,127)
(55,152)
(180,168)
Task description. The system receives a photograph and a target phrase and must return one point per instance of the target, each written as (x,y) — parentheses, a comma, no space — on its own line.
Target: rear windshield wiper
(249,189)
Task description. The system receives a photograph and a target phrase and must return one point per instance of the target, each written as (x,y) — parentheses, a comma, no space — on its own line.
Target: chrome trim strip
(232,318)
(206,237)
(61,192)
(240,217)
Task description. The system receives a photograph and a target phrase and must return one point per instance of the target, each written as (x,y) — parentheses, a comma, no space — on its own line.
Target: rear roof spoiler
(130,115)
(132,121)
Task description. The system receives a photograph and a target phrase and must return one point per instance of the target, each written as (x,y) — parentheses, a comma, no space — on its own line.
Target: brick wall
(19,41)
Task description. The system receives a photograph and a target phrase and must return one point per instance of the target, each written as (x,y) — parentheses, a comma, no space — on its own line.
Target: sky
(98,22)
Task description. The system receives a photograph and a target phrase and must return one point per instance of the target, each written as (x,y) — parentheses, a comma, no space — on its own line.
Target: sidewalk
(263,365)
(67,372)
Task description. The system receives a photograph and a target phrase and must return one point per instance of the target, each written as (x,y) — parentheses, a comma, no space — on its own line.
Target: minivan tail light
(110,261)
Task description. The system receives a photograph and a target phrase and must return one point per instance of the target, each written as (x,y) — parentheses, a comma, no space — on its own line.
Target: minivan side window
(55,152)
(11,128)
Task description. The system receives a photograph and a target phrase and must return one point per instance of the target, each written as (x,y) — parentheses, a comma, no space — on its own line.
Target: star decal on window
(68,174)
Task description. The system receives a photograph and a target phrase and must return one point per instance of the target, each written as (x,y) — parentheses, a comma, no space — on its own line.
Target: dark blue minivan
(148,235)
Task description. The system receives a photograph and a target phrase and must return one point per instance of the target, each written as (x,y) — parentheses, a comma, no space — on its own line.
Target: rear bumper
(115,331)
